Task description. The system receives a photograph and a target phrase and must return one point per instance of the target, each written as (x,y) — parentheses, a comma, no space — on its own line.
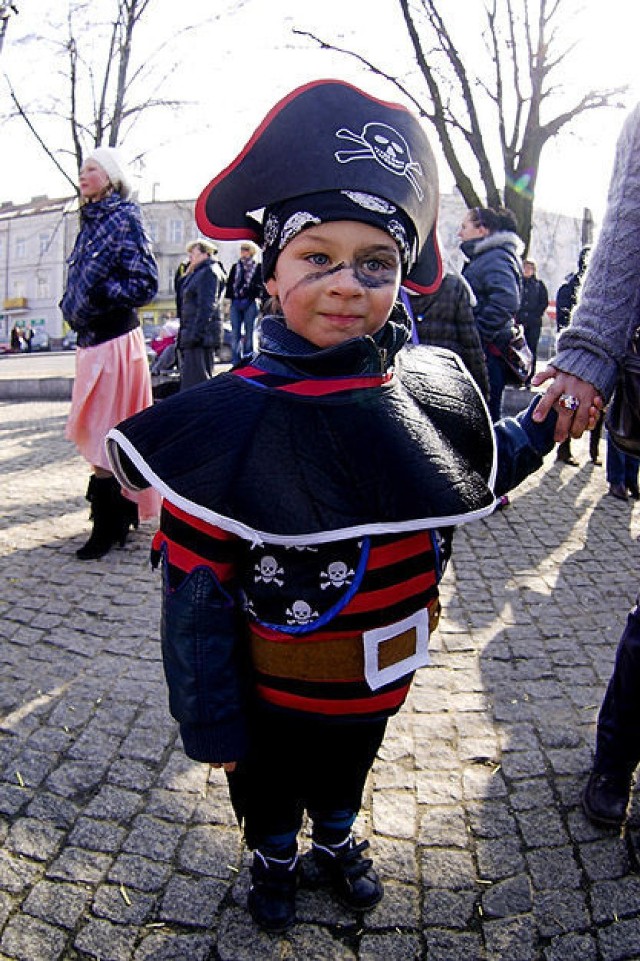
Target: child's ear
(272,286)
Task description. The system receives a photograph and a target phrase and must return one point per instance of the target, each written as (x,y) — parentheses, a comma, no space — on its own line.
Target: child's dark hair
(495,218)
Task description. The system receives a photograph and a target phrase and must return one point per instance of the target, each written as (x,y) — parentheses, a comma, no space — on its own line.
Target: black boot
(100,496)
(125,516)
(272,895)
(112,516)
(342,867)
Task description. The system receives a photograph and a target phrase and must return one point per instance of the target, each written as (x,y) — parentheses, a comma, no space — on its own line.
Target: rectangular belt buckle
(396,650)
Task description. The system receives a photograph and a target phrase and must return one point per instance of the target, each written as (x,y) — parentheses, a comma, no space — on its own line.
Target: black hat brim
(322,136)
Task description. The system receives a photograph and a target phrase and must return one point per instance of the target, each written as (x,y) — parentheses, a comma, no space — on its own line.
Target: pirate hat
(323,136)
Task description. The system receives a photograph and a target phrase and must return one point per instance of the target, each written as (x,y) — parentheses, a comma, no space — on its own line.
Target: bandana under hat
(330,137)
(284,221)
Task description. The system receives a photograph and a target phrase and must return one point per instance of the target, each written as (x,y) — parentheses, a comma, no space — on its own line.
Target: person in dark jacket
(445,319)
(533,303)
(566,300)
(111,272)
(300,539)
(493,270)
(198,292)
(245,291)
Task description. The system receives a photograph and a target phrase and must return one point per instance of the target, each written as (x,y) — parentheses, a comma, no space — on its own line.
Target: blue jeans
(621,468)
(242,314)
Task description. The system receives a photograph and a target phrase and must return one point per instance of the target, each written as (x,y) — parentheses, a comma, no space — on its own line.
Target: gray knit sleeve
(609,301)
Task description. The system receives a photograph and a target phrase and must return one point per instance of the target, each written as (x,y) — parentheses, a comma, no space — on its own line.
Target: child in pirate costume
(308,490)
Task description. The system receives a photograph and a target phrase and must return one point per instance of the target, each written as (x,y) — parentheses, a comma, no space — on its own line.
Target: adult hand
(227,765)
(570,422)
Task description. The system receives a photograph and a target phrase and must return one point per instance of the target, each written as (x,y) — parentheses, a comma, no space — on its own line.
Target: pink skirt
(112,382)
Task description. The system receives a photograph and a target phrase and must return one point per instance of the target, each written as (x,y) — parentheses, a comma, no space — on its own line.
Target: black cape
(418,452)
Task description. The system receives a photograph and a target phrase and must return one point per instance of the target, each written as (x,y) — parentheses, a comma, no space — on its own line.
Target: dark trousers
(497,371)
(196,366)
(618,731)
(296,764)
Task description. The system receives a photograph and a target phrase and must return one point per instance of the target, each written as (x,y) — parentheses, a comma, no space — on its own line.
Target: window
(152,230)
(19,288)
(176,231)
(43,286)
(21,248)
(44,243)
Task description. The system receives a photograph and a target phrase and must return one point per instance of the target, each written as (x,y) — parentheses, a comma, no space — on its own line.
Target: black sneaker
(606,797)
(272,896)
(351,877)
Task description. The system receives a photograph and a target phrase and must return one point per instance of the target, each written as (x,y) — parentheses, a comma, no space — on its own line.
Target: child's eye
(318,260)
(377,265)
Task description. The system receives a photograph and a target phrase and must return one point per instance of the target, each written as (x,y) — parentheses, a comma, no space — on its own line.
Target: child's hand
(227,765)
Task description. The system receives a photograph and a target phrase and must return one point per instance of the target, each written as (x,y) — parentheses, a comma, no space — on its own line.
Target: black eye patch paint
(368,279)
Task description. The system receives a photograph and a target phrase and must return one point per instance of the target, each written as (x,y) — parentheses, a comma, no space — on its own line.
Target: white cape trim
(116,440)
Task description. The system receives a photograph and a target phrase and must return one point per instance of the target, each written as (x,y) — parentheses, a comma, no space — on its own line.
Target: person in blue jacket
(493,270)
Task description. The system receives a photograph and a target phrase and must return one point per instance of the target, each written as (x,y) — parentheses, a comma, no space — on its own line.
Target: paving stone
(58,903)
(192,902)
(559,911)
(443,945)
(571,947)
(95,835)
(553,868)
(153,838)
(449,909)
(34,839)
(17,874)
(620,940)
(507,898)
(28,939)
(499,858)
(452,869)
(76,864)
(106,941)
(140,873)
(175,947)
(443,826)
(605,859)
(117,903)
(394,946)
(211,851)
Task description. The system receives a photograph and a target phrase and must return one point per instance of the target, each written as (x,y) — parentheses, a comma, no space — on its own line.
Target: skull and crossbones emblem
(300,613)
(267,571)
(337,574)
(382,143)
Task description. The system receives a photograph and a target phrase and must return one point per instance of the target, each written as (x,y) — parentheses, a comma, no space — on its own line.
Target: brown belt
(335,659)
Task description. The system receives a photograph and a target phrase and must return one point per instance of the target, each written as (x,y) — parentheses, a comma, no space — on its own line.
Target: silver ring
(568,401)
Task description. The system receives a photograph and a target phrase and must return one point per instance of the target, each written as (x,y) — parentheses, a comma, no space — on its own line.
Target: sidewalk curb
(41,388)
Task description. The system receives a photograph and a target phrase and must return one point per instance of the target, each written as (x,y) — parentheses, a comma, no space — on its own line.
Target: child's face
(336,281)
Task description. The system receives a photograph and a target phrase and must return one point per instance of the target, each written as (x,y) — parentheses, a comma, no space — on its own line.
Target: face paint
(368,271)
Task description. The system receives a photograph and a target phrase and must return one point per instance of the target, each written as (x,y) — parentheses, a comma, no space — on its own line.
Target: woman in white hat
(111,272)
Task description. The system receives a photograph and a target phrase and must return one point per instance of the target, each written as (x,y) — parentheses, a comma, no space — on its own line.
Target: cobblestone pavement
(115,847)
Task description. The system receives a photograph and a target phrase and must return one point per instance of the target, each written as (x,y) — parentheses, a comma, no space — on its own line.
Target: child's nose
(344,278)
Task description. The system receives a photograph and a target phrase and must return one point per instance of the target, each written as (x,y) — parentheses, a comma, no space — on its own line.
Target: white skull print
(268,570)
(337,574)
(300,613)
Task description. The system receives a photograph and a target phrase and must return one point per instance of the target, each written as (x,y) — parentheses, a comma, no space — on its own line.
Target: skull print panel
(326,578)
